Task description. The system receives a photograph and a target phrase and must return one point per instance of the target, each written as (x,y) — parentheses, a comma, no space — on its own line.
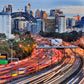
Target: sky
(69,7)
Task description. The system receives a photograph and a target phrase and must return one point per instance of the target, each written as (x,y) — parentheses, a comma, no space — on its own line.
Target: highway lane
(76,79)
(82,81)
(65,74)
(44,62)
(44,78)
(64,68)
(33,77)
(38,80)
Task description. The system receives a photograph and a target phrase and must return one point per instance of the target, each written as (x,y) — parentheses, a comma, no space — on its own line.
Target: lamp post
(13,59)
(11,51)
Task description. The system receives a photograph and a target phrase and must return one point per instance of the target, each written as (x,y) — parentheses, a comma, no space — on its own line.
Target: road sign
(3,59)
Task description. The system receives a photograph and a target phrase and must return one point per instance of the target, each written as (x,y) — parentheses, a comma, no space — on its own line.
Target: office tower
(41,13)
(54,11)
(50,24)
(4,9)
(82,21)
(7,9)
(62,23)
(33,28)
(31,12)
(16,24)
(78,18)
(37,13)
(56,20)
(20,24)
(73,21)
(43,23)
(10,7)
(68,22)
(38,24)
(5,24)
(44,15)
(27,8)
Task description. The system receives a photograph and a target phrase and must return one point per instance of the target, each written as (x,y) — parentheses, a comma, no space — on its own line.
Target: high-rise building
(33,28)
(38,24)
(5,23)
(37,13)
(20,24)
(4,9)
(50,24)
(54,11)
(56,20)
(31,12)
(73,21)
(62,23)
(78,18)
(27,8)
(68,22)
(10,7)
(16,24)
(82,20)
(41,14)
(7,9)
(44,15)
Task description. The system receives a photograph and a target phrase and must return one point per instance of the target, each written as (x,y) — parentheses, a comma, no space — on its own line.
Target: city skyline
(70,7)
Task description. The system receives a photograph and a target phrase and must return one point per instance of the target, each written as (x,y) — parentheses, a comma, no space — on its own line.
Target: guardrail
(59,47)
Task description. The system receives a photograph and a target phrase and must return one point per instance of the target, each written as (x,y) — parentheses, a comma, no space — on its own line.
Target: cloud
(73,9)
(69,10)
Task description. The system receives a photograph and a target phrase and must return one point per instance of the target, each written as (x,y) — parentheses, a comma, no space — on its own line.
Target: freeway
(41,74)
(82,81)
(76,79)
(67,63)
(64,75)
(30,64)
(60,75)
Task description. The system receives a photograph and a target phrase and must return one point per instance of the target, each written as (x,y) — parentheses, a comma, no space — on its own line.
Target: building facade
(54,11)
(5,24)
(8,9)
(37,13)
(62,24)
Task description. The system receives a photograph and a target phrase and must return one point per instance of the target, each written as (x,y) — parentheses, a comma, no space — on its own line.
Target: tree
(2,36)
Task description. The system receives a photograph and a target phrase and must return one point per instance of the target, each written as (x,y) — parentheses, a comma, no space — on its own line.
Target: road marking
(42,78)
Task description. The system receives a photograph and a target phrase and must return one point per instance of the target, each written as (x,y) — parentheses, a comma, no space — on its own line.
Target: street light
(13,59)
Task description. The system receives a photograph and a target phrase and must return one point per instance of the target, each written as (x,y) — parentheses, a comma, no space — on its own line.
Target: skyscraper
(62,23)
(41,14)
(50,24)
(37,13)
(44,15)
(31,12)
(54,11)
(10,7)
(82,20)
(38,24)
(56,20)
(7,9)
(78,18)
(73,21)
(4,9)
(5,23)
(27,8)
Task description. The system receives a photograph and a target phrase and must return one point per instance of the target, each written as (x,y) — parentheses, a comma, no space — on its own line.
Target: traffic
(29,65)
